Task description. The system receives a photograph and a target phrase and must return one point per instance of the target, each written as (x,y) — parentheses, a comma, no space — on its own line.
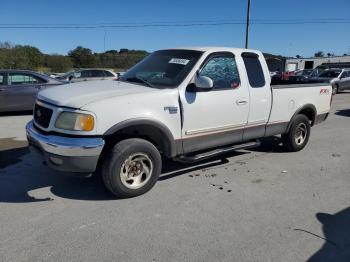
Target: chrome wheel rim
(136,171)
(300,134)
(334,90)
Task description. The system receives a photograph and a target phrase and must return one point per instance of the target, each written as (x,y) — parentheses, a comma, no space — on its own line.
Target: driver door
(216,117)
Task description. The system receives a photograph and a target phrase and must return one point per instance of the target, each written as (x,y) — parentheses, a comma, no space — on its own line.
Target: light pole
(247,26)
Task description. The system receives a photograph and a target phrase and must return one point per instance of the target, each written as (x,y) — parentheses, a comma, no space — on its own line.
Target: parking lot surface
(253,205)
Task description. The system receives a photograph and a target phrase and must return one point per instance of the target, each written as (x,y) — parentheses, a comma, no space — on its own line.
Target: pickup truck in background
(186,104)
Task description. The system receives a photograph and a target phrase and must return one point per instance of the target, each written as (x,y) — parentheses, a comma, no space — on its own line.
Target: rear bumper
(69,154)
(320,118)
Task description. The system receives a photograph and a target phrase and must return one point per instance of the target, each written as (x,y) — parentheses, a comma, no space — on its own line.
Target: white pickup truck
(186,104)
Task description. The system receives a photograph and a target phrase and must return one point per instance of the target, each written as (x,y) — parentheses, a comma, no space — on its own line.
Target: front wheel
(131,168)
(298,134)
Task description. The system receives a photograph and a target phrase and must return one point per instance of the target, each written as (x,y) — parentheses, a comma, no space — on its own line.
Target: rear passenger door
(260,95)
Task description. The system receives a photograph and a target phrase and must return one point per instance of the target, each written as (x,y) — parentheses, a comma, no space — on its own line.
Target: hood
(76,95)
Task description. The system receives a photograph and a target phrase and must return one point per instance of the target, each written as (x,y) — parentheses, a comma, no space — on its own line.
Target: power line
(176,23)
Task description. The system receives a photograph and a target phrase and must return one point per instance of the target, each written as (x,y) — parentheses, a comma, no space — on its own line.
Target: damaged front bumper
(69,154)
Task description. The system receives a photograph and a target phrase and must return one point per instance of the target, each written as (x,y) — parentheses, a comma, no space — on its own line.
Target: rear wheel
(298,134)
(335,89)
(131,168)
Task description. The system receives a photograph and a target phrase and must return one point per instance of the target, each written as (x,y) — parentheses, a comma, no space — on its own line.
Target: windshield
(166,68)
(67,74)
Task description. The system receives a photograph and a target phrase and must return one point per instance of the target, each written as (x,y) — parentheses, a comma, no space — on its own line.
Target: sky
(283,39)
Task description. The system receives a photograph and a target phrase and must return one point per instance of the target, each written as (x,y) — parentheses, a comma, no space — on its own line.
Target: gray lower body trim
(208,141)
(276,128)
(203,142)
(253,132)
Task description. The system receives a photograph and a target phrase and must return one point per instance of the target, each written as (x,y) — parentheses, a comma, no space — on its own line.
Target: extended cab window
(254,70)
(222,69)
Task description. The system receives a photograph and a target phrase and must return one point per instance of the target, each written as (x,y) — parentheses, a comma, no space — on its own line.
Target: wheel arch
(151,130)
(309,110)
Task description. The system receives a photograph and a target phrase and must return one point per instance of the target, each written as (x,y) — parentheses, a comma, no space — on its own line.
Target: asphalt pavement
(253,205)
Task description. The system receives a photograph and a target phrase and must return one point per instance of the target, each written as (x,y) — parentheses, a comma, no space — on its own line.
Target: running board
(215,152)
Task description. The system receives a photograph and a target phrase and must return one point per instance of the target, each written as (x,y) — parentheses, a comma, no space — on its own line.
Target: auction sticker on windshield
(179,61)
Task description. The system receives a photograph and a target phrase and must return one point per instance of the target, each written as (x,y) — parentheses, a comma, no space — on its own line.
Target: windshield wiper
(138,79)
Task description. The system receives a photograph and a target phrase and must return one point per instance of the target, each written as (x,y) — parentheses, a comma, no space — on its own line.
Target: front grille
(42,115)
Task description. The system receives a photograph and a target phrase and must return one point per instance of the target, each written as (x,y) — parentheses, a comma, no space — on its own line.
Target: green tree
(24,57)
(58,63)
(82,57)
(319,54)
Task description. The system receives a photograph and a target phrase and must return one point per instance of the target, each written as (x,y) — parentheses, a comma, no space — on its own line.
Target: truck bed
(289,99)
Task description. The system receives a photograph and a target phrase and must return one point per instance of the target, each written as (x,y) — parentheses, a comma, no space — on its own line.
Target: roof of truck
(216,48)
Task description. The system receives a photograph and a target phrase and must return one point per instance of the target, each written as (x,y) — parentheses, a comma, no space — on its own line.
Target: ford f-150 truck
(186,104)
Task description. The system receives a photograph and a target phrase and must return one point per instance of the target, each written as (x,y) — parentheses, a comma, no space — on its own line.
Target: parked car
(184,104)
(286,75)
(18,89)
(338,78)
(300,75)
(316,72)
(88,75)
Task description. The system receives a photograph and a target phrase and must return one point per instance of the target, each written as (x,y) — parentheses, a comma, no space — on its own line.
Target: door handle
(241,102)
(2,89)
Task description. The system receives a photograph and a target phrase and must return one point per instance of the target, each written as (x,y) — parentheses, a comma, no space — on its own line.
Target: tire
(131,168)
(335,89)
(298,134)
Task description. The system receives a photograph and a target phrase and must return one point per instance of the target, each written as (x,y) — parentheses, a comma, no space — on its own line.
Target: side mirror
(203,82)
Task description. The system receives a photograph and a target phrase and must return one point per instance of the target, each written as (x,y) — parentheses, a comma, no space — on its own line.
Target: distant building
(275,62)
(293,64)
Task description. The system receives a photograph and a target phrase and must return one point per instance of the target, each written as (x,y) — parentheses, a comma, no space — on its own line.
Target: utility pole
(247,26)
(104,41)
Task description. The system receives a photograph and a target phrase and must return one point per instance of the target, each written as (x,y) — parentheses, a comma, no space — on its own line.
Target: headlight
(75,121)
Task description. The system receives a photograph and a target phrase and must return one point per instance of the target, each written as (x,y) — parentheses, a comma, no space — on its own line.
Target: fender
(308,107)
(170,148)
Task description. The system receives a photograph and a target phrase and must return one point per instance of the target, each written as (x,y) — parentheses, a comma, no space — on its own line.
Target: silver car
(343,83)
(18,89)
(339,78)
(88,75)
